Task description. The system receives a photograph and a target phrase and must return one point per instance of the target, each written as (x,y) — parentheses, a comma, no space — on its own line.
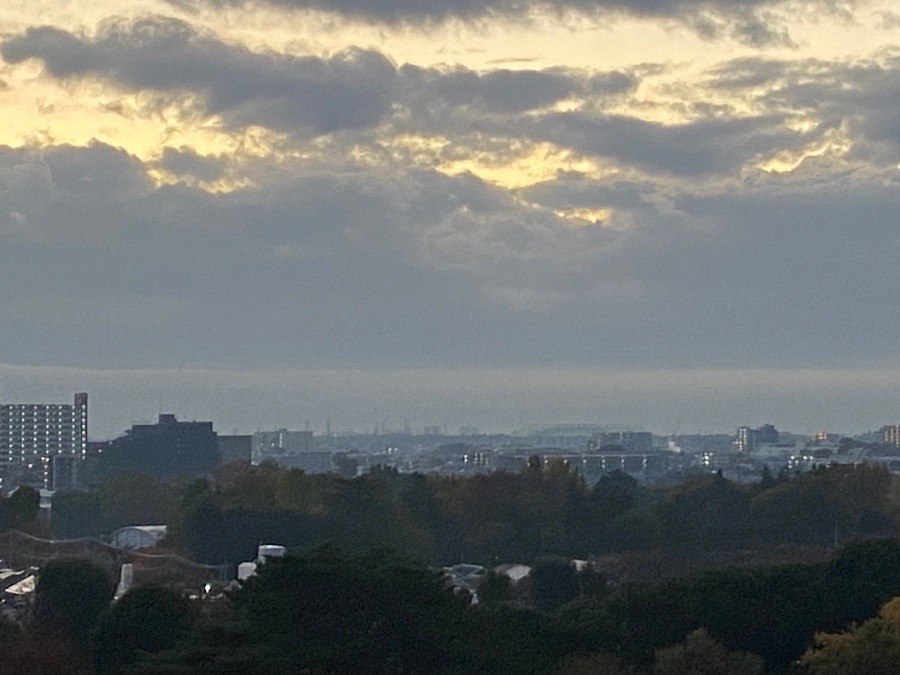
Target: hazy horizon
(494,400)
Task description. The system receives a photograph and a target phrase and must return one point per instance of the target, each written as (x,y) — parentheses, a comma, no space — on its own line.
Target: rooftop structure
(280,443)
(138,536)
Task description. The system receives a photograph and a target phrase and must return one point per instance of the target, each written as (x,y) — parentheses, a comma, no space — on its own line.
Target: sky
(674,214)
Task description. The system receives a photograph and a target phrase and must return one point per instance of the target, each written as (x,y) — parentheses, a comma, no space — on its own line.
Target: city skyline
(676,215)
(493,401)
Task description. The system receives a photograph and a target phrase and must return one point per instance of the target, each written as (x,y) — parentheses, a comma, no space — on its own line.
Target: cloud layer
(408,216)
(748,21)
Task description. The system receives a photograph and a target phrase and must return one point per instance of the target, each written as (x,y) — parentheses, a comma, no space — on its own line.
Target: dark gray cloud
(351,90)
(330,265)
(439,92)
(746,73)
(694,148)
(96,171)
(499,91)
(186,162)
(419,10)
(575,190)
(747,21)
(97,185)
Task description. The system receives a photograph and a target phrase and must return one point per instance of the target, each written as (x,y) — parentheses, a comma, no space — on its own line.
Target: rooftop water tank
(270,551)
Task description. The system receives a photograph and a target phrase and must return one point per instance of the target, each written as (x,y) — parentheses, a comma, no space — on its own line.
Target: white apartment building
(32,434)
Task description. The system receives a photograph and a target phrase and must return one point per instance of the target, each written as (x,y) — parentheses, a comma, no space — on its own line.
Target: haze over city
(674,215)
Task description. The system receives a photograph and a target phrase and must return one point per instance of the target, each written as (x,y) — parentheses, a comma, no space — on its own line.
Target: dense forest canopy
(547,509)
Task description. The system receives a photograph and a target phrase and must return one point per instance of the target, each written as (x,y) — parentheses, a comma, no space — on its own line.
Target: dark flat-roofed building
(235,448)
(166,449)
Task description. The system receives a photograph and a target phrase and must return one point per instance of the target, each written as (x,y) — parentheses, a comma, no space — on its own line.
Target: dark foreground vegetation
(819,568)
(380,612)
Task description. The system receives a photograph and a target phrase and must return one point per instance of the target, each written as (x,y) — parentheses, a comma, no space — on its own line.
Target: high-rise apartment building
(746,439)
(32,434)
(890,434)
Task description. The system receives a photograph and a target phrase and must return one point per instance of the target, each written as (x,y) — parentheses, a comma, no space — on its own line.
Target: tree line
(547,509)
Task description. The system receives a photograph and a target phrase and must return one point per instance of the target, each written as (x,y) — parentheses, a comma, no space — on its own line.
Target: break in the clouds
(360,90)
(860,95)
